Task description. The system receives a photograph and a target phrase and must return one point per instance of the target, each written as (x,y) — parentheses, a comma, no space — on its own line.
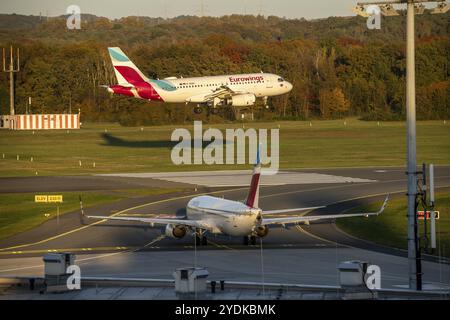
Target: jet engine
(262,231)
(242,100)
(175,231)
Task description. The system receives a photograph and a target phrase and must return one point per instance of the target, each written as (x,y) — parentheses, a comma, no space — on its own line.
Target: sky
(309,9)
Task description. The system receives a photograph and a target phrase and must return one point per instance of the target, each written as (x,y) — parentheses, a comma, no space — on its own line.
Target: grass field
(389,228)
(19,212)
(129,149)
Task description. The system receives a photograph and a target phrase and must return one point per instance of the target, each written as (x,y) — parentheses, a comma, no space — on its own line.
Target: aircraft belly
(233,225)
(173,96)
(237,226)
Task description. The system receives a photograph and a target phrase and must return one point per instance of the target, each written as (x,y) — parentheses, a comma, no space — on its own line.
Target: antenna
(165,9)
(11,70)
(261,8)
(203,9)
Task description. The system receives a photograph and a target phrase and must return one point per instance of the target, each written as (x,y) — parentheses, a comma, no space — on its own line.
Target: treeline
(338,67)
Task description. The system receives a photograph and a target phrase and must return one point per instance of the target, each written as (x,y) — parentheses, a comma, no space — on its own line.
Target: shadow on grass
(110,140)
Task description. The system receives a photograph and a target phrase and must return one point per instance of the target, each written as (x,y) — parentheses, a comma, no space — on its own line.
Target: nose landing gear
(265,102)
(198,109)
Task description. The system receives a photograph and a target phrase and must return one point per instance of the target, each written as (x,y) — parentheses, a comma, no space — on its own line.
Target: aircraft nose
(289,86)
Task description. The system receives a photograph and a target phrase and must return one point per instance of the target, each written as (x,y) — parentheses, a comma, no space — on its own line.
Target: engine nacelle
(242,100)
(262,231)
(173,231)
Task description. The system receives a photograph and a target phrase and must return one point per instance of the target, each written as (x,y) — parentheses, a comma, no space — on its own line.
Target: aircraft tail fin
(253,193)
(125,70)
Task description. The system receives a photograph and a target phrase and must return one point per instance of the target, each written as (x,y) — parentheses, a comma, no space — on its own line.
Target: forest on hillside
(337,66)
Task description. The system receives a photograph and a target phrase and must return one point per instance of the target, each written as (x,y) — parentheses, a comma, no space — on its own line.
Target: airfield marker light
(414,259)
(79,162)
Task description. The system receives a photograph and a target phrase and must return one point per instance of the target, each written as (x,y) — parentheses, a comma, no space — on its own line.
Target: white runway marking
(241,178)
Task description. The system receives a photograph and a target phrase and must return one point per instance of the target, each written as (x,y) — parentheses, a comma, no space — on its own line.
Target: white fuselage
(180,90)
(224,216)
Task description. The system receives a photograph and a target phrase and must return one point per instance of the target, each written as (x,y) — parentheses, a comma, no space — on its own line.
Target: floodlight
(441,8)
(419,9)
(388,10)
(360,11)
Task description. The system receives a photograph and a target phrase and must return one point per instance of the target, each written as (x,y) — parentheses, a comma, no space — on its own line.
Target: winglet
(384,204)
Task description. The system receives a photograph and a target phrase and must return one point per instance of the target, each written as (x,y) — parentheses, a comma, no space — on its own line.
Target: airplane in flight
(208,214)
(239,90)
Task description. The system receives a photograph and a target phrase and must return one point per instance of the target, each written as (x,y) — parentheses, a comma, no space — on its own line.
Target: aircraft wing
(224,92)
(162,221)
(295,219)
(267,212)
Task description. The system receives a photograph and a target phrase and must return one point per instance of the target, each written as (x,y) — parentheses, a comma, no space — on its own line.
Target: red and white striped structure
(44,121)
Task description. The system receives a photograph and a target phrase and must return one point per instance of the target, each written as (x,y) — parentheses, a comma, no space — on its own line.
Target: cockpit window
(280,80)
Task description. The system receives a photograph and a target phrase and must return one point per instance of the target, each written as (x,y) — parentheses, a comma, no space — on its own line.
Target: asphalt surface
(81,236)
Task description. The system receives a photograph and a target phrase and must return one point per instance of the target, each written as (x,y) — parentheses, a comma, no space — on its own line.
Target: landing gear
(198,109)
(200,238)
(265,102)
(250,240)
(214,110)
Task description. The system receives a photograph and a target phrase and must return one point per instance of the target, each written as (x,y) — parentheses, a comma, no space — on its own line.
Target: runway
(139,244)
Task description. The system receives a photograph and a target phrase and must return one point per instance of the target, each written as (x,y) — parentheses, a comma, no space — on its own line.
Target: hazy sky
(168,8)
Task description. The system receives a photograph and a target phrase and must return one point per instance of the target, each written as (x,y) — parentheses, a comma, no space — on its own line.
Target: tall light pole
(415,266)
(11,70)
(414,262)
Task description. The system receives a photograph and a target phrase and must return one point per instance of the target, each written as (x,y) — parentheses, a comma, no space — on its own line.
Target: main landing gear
(212,110)
(200,238)
(250,240)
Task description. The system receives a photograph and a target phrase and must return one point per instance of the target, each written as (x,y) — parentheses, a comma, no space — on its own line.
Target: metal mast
(414,262)
(11,70)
